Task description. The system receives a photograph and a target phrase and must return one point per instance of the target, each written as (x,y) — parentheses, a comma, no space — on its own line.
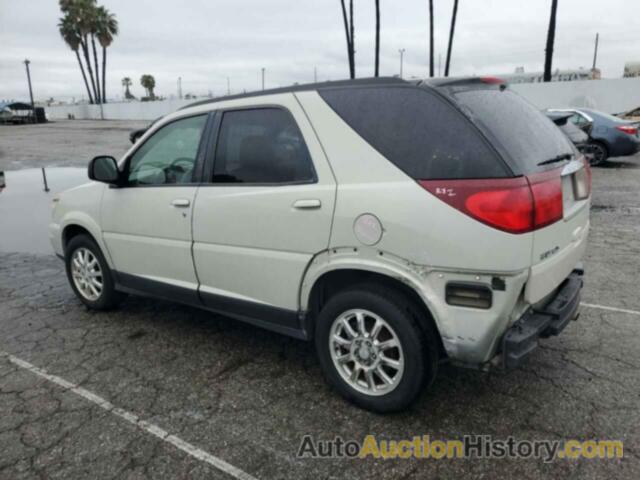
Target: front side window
(169,155)
(261,145)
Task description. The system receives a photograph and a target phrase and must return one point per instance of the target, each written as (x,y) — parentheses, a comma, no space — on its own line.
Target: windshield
(524,134)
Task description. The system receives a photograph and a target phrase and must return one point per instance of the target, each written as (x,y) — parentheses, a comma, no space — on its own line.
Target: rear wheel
(89,274)
(372,350)
(598,153)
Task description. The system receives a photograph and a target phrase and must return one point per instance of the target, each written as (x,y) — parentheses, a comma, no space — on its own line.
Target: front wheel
(372,350)
(89,274)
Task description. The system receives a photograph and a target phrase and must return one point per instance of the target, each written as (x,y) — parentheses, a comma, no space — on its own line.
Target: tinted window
(169,155)
(261,146)
(526,135)
(416,130)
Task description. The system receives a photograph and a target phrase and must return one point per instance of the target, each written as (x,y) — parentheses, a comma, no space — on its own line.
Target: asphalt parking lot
(194,395)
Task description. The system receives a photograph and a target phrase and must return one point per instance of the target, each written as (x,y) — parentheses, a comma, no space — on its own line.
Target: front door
(265,212)
(147,221)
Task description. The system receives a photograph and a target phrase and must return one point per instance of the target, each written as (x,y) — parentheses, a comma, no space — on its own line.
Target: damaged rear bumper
(521,339)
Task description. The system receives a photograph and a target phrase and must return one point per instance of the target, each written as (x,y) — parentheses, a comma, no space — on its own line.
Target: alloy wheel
(86,274)
(366,352)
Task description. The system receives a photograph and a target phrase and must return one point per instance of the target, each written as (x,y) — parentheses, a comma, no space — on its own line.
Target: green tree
(126,83)
(106,29)
(82,23)
(148,83)
(71,37)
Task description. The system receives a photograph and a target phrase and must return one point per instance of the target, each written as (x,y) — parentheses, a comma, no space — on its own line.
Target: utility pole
(262,78)
(180,88)
(315,75)
(33,111)
(595,52)
(401,60)
(228,86)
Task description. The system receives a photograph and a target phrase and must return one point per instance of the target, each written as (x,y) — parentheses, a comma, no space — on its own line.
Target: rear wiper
(559,158)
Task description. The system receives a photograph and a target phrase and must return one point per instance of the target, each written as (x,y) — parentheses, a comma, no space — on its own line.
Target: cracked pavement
(248,396)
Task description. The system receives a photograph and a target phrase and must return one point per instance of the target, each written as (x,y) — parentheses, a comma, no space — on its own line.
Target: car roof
(361,82)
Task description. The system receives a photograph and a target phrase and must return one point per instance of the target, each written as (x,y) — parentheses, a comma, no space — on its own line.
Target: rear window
(418,131)
(525,134)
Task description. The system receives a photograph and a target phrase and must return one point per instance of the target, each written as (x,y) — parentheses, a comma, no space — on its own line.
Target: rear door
(536,148)
(265,211)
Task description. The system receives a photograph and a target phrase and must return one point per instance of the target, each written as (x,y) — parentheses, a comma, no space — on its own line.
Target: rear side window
(418,131)
(526,135)
(261,146)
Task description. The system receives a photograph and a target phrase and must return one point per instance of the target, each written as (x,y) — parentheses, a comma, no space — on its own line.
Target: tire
(599,153)
(417,355)
(83,246)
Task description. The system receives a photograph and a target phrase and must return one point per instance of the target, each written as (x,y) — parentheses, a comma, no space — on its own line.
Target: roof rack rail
(373,81)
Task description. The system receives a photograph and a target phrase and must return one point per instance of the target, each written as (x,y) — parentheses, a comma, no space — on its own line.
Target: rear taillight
(547,197)
(514,205)
(627,129)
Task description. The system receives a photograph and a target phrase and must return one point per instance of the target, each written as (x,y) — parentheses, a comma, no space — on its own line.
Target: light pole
(262,78)
(33,111)
(401,60)
(228,86)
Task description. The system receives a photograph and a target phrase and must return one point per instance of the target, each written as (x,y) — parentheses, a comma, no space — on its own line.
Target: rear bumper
(521,339)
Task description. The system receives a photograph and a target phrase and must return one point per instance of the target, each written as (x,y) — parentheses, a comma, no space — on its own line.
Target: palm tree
(431,38)
(348,30)
(377,38)
(78,18)
(107,28)
(72,39)
(551,35)
(149,83)
(126,83)
(451,32)
(84,16)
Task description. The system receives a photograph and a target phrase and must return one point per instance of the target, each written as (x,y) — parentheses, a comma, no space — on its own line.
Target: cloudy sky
(206,41)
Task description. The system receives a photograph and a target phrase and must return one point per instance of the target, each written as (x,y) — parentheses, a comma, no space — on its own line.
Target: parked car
(610,136)
(578,136)
(395,225)
(135,135)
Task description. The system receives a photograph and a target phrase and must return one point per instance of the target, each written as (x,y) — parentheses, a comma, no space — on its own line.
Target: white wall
(118,111)
(612,96)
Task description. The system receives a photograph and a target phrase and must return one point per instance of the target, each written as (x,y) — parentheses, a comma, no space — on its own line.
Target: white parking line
(134,420)
(611,309)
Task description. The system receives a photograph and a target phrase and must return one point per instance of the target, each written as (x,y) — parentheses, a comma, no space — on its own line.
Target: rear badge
(548,253)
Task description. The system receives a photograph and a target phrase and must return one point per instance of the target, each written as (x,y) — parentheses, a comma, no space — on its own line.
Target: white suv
(396,224)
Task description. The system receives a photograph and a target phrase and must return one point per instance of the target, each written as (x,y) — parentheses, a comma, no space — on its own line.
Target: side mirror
(104,169)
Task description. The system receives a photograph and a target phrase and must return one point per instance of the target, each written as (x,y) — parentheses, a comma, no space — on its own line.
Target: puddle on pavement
(25,208)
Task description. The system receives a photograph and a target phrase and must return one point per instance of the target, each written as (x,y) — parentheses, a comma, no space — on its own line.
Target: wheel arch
(320,285)
(78,225)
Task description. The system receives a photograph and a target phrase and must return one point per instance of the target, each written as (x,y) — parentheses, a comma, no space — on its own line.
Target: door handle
(180,202)
(307,204)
